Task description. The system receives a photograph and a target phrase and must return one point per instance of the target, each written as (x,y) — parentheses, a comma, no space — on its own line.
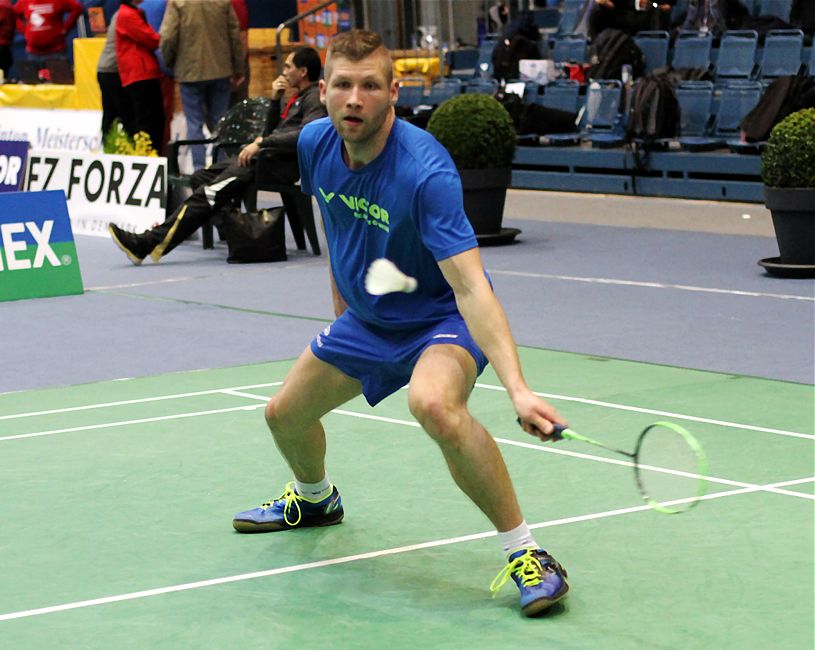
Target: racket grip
(557,434)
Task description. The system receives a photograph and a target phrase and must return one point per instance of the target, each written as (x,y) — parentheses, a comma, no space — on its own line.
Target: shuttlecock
(384,277)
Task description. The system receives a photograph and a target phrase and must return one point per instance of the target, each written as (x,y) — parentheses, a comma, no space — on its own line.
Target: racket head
(668,463)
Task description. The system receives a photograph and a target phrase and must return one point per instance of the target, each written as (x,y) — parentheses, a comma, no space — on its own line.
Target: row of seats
(709,117)
(571,12)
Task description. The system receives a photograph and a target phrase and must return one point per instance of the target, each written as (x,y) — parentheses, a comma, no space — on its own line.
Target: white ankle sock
(516,539)
(314,492)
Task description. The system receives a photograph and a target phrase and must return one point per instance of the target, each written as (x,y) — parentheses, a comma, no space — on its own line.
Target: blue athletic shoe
(540,579)
(290,510)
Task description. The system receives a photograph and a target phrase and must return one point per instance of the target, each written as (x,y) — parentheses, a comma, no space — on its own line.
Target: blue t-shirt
(405,205)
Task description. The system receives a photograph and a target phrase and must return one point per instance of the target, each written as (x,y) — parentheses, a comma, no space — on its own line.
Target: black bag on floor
(255,236)
(654,112)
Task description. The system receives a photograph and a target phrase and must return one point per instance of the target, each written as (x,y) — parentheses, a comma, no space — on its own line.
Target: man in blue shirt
(388,189)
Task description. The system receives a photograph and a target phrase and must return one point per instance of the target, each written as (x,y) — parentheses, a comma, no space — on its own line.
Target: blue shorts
(383,360)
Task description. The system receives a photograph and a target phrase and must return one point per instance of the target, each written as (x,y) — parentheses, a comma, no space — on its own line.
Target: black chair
(298,206)
(241,124)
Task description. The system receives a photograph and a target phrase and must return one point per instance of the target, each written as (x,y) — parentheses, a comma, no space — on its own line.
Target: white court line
(124,423)
(678,416)
(142,400)
(351,558)
(653,285)
(567,398)
(574,454)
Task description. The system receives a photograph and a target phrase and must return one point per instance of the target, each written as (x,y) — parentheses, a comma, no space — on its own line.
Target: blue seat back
(654,46)
(692,50)
(483,86)
(695,99)
(562,94)
(737,54)
(738,99)
(569,47)
(603,98)
(569,17)
(782,53)
(778,8)
(443,89)
(411,92)
(484,63)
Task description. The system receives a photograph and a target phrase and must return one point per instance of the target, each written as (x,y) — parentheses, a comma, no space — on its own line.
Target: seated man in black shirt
(222,182)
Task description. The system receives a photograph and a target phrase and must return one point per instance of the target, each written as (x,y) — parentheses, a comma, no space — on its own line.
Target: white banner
(129,191)
(65,130)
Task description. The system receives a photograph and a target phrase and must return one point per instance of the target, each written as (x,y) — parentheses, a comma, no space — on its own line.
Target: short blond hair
(355,45)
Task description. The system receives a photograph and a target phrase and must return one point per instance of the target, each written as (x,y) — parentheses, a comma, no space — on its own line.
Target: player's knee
(441,419)
(275,416)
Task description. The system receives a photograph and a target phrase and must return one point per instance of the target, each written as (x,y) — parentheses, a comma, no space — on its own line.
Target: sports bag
(610,51)
(654,111)
(255,236)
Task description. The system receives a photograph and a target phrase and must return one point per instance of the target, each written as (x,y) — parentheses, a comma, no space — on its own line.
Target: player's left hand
(536,416)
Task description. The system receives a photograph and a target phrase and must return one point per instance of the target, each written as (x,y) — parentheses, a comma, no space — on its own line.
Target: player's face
(358,96)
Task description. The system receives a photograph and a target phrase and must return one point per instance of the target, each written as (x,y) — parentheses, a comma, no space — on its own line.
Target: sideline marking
(354,558)
(136,401)
(678,416)
(653,285)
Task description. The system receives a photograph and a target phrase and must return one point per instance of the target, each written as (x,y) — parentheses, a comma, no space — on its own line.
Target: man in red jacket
(46,24)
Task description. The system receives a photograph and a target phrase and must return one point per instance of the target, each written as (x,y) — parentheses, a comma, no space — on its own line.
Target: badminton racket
(669,463)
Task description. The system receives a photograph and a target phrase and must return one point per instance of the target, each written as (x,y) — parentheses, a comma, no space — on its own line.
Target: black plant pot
(485,193)
(793,212)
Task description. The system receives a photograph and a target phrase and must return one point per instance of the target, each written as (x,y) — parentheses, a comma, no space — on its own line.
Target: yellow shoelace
(290,497)
(526,566)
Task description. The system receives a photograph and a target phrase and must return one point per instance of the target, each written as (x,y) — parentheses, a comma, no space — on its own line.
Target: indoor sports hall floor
(131,431)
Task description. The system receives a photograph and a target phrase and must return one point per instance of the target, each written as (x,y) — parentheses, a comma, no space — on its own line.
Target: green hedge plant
(477,131)
(788,158)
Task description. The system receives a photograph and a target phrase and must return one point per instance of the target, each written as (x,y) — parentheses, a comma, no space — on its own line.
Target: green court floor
(117,500)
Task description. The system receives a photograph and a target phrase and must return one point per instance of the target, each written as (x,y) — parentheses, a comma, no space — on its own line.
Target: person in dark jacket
(297,102)
(139,70)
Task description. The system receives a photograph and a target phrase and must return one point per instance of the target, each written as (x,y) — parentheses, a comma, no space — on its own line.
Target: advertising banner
(13,157)
(129,191)
(66,130)
(37,251)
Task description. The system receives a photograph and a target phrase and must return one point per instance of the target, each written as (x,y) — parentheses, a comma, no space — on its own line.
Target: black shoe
(134,246)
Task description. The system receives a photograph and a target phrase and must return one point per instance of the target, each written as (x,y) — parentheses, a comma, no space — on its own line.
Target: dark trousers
(115,105)
(148,110)
(6,58)
(214,188)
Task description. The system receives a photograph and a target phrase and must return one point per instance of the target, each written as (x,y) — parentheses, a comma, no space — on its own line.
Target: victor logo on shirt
(362,208)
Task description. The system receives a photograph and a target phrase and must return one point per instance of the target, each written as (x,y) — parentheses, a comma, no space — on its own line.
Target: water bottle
(627,75)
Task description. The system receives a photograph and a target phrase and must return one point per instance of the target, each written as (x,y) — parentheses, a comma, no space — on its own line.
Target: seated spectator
(45,25)
(223,182)
(717,16)
(629,16)
(7,20)
(139,71)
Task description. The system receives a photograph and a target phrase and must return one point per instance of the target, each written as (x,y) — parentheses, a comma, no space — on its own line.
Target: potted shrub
(480,136)
(788,173)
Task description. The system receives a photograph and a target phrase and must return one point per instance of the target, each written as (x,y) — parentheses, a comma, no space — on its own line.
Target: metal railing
(288,23)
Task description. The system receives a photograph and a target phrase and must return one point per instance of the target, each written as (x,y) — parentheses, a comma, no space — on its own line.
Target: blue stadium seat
(569,17)
(654,46)
(782,53)
(561,94)
(811,64)
(601,122)
(462,63)
(569,48)
(411,92)
(443,89)
(692,50)
(778,8)
(737,99)
(483,86)
(695,99)
(484,64)
(737,55)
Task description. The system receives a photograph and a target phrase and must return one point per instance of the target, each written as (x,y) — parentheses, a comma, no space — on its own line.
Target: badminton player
(388,189)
